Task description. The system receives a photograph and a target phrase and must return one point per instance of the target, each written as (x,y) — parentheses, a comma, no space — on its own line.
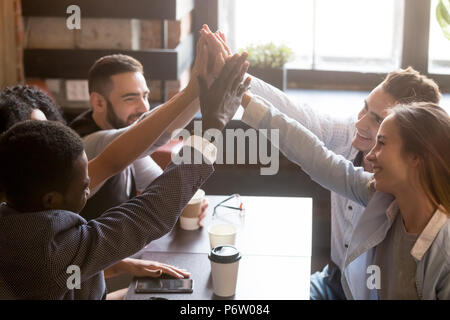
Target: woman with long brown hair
(411,161)
(424,131)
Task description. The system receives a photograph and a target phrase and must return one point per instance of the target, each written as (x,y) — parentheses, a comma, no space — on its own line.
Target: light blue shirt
(337,135)
(432,248)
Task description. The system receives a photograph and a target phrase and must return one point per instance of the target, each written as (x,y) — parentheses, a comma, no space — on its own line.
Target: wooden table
(274,237)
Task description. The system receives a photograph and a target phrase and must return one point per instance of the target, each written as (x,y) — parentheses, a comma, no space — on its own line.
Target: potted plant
(267,62)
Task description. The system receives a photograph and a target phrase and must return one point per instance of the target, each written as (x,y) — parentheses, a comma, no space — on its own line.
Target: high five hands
(220,100)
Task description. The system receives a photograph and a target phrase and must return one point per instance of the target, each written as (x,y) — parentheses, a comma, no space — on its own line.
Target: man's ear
(98,102)
(52,200)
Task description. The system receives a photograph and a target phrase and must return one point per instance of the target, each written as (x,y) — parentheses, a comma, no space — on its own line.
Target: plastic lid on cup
(197,197)
(224,254)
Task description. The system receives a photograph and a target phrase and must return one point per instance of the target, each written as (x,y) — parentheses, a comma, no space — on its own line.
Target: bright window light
(282,22)
(439,47)
(350,35)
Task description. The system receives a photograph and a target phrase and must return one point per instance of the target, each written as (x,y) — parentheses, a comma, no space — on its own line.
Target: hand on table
(220,101)
(153,269)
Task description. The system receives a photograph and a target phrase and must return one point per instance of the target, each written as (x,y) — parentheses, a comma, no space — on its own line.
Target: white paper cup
(189,223)
(222,234)
(224,269)
(189,216)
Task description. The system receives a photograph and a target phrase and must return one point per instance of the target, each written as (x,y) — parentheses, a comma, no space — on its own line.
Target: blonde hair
(425,132)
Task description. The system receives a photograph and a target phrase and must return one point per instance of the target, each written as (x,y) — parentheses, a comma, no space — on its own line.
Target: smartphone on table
(158,285)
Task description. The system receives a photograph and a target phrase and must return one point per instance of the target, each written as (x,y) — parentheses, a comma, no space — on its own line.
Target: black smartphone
(157,285)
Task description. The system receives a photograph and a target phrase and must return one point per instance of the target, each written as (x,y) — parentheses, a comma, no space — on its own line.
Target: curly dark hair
(17,103)
(37,157)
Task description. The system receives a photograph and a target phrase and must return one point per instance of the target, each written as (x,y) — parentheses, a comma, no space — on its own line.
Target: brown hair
(99,78)
(408,85)
(425,131)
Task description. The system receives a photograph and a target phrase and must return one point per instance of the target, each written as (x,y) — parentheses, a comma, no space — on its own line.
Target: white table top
(274,237)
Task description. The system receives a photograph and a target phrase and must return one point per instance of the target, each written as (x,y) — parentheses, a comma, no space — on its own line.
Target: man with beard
(351,137)
(118,97)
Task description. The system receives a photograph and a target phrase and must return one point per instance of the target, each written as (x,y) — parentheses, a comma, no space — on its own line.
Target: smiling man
(352,138)
(118,97)
(403,86)
(118,91)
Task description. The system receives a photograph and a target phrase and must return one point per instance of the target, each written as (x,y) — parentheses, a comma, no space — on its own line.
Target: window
(439,48)
(282,22)
(340,43)
(358,35)
(351,35)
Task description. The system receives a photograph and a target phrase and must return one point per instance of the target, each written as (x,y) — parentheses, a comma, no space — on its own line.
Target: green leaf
(443,16)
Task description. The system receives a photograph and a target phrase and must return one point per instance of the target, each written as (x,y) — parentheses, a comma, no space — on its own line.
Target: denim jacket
(334,172)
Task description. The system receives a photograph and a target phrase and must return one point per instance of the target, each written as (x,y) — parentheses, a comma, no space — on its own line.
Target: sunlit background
(439,52)
(347,35)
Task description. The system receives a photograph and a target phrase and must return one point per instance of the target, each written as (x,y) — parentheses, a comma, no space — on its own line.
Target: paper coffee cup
(189,216)
(189,223)
(222,234)
(224,269)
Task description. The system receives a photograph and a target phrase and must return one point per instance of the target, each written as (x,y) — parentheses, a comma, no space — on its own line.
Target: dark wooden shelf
(159,64)
(129,9)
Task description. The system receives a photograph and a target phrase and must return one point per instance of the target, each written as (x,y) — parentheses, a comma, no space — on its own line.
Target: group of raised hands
(220,77)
